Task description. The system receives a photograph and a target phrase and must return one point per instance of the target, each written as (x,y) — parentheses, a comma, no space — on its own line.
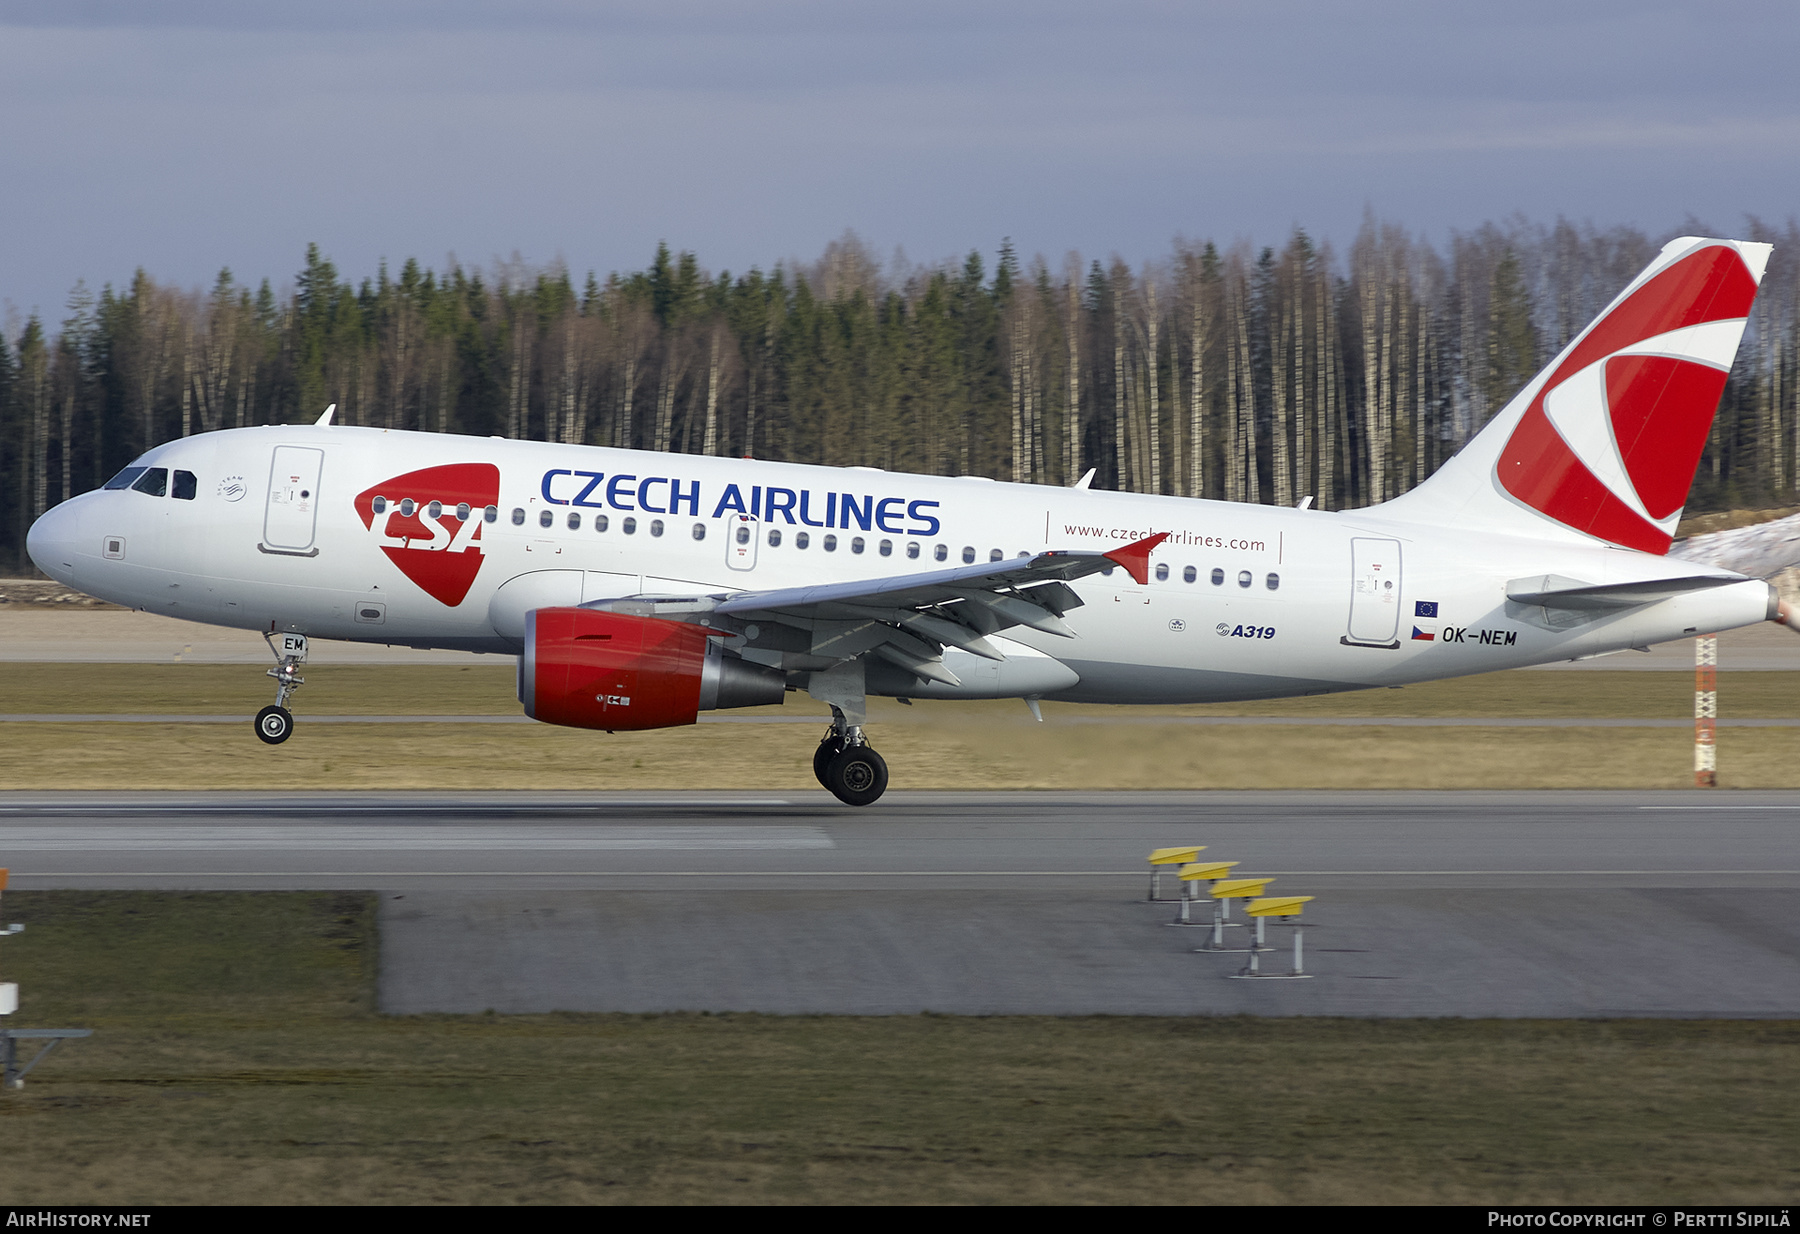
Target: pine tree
(1512,342)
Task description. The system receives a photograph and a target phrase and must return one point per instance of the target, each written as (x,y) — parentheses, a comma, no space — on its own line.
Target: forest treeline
(1252,375)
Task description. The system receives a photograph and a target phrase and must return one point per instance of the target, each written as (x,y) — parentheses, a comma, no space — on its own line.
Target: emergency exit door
(740,542)
(290,521)
(1374,593)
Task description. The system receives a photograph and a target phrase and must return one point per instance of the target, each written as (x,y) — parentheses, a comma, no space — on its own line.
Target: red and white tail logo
(1604,442)
(1609,442)
(429,524)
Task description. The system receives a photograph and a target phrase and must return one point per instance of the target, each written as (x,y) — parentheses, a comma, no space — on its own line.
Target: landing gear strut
(849,767)
(275,724)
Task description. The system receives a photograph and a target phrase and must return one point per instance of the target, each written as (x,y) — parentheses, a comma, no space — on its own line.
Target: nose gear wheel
(274,725)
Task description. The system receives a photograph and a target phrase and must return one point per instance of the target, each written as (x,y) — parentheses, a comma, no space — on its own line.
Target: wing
(907,619)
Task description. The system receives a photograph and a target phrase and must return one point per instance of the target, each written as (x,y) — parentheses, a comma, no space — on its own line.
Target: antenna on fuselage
(1085,480)
(324,421)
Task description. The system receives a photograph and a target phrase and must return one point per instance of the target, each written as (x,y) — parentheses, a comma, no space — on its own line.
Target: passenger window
(600,522)
(518,517)
(656,527)
(699,531)
(774,537)
(1243,578)
(124,478)
(435,509)
(462,511)
(629,526)
(856,544)
(1218,578)
(491,514)
(1273,582)
(743,533)
(545,517)
(968,555)
(379,505)
(887,548)
(1188,574)
(912,548)
(995,554)
(941,552)
(1162,573)
(407,508)
(186,485)
(829,544)
(801,539)
(574,520)
(154,481)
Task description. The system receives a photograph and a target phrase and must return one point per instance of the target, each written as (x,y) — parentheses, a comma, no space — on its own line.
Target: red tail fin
(1605,440)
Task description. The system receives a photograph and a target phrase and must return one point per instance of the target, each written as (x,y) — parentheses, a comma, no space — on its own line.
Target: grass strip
(238,1061)
(971,751)
(488,689)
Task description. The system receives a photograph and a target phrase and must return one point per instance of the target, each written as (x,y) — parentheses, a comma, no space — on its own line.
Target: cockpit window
(124,478)
(154,481)
(186,485)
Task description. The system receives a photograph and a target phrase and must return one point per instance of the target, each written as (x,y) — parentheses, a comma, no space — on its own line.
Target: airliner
(638,589)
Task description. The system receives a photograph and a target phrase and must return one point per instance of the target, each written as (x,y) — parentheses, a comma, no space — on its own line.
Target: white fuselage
(1244,601)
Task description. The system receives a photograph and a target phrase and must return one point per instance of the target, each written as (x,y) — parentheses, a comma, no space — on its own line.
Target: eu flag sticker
(1424,608)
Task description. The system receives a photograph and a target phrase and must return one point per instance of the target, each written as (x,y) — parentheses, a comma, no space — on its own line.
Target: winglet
(1135,557)
(324,421)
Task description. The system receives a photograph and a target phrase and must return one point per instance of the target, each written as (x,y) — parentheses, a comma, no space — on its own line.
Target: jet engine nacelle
(588,668)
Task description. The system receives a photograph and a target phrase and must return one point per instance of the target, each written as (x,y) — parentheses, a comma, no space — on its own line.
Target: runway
(1473,904)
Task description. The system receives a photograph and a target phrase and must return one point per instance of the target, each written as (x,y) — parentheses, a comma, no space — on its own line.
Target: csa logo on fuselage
(429,523)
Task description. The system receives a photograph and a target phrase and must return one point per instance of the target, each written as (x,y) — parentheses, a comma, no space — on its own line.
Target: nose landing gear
(849,767)
(275,724)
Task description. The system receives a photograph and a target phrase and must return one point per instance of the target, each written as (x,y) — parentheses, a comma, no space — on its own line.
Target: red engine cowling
(588,668)
(592,669)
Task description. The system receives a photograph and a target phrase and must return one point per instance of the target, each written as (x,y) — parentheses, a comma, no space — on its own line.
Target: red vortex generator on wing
(591,669)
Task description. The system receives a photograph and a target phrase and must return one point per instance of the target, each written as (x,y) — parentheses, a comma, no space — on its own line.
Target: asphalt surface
(1467,904)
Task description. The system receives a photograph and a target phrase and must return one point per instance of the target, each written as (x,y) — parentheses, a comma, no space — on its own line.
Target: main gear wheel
(857,775)
(830,748)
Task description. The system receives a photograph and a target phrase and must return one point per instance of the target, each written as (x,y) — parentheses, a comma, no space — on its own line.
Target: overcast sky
(185,135)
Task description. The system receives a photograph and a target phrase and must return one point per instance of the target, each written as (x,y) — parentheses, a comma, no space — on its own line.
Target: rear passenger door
(1374,593)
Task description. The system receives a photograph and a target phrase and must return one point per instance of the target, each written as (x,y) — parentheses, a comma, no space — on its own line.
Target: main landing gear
(849,767)
(275,724)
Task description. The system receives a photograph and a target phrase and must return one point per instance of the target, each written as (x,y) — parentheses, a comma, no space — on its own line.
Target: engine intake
(588,668)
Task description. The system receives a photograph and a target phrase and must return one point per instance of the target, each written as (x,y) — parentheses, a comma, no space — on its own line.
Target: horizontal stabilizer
(1555,591)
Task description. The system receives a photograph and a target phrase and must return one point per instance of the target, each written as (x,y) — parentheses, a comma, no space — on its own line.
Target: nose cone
(52,542)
